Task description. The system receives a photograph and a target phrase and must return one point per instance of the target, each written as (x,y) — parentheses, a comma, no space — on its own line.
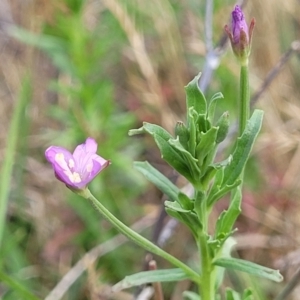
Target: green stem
(244,98)
(207,280)
(137,238)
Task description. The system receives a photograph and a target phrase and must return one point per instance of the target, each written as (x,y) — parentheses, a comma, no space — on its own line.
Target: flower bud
(223,124)
(240,35)
(182,132)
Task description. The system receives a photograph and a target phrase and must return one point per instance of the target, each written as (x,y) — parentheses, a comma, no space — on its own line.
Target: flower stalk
(240,36)
(135,237)
(244,99)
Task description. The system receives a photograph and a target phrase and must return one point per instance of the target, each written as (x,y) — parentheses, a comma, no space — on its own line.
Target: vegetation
(72,69)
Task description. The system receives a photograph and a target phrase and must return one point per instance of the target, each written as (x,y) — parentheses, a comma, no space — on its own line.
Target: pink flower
(78,169)
(240,35)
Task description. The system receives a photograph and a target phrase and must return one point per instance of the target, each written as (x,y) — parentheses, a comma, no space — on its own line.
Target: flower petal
(63,164)
(90,146)
(239,24)
(79,169)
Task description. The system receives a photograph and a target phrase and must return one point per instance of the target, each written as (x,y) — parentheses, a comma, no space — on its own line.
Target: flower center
(73,176)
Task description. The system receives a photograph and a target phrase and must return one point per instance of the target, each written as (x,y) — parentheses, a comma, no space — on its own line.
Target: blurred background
(70,69)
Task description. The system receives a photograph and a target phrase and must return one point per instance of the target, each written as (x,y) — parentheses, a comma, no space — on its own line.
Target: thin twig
(209,25)
(158,294)
(90,257)
(295,47)
(290,286)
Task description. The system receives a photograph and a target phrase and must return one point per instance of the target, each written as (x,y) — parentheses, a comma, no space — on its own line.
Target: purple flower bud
(239,25)
(78,169)
(240,35)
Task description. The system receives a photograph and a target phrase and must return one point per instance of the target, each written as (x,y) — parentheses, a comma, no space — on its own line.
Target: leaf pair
(169,275)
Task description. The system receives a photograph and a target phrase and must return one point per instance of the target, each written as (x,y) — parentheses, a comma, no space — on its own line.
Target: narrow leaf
(188,218)
(195,97)
(249,267)
(166,275)
(190,295)
(185,201)
(175,206)
(232,295)
(190,161)
(192,130)
(206,144)
(202,123)
(248,295)
(151,129)
(222,192)
(212,105)
(158,179)
(243,148)
(228,217)
(173,157)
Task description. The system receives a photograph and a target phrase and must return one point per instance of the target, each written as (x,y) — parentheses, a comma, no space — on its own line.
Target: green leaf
(249,267)
(152,129)
(243,148)
(206,144)
(219,175)
(190,295)
(195,97)
(191,161)
(232,295)
(225,252)
(222,192)
(169,152)
(223,124)
(182,133)
(200,204)
(158,179)
(210,173)
(173,157)
(212,105)
(188,218)
(228,217)
(248,295)
(140,278)
(202,123)
(185,201)
(175,206)
(192,130)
